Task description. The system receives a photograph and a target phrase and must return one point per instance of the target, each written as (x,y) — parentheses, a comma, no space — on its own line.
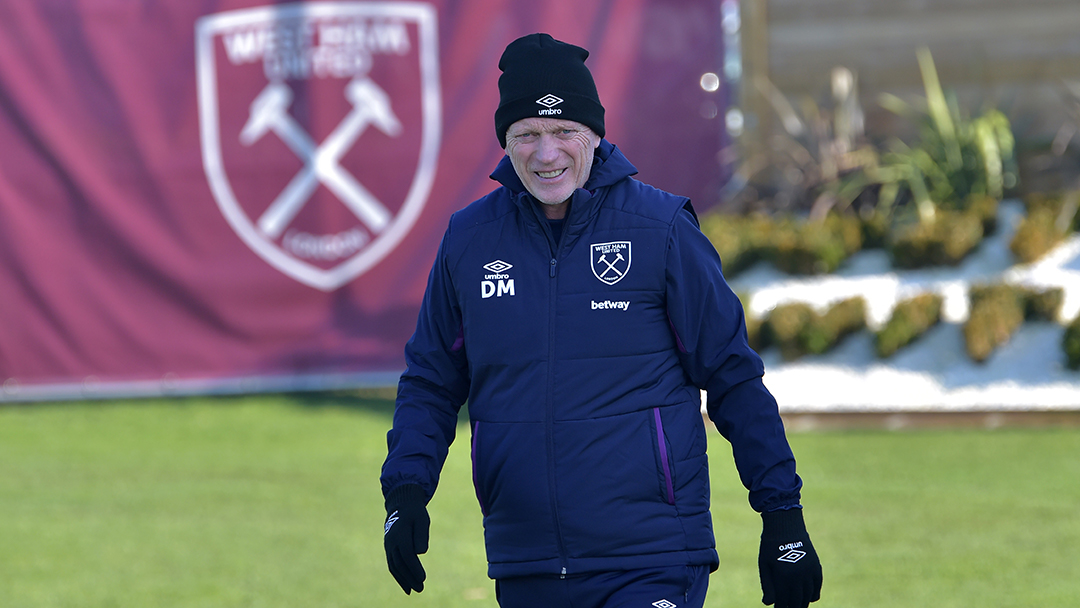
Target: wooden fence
(1011,54)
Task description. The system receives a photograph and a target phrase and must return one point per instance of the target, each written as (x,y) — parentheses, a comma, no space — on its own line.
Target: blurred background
(239,196)
(217,221)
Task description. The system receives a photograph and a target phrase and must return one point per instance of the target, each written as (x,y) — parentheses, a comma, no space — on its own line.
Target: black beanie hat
(545,78)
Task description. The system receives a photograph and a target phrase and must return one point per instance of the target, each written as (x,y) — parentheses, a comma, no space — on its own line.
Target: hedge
(1071,344)
(797,329)
(944,242)
(995,313)
(910,319)
(998,310)
(1048,220)
(792,245)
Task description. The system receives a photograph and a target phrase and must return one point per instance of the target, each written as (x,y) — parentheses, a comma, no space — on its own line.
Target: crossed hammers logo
(613,263)
(270,112)
(610,266)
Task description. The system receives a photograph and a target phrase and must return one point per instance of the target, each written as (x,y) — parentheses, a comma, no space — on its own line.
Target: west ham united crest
(611,261)
(320,127)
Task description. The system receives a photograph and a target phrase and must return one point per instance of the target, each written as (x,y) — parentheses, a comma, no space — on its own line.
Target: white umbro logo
(498,266)
(498,283)
(390,522)
(549,101)
(791,556)
(664,604)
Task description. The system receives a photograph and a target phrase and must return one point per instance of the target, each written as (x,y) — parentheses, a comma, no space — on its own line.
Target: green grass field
(273,501)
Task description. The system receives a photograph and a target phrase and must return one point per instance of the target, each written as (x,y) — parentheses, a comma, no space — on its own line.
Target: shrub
(1036,235)
(956,157)
(996,311)
(797,329)
(848,229)
(875,230)
(783,327)
(1071,344)
(738,239)
(798,251)
(910,319)
(986,209)
(823,332)
(804,247)
(722,232)
(816,162)
(977,294)
(753,324)
(847,316)
(1043,305)
(753,333)
(945,241)
(1049,219)
(1059,203)
(793,245)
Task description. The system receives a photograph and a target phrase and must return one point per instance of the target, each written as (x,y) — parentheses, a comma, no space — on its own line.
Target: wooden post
(757,113)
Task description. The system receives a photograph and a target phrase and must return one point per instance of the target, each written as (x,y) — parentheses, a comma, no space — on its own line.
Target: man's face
(552,157)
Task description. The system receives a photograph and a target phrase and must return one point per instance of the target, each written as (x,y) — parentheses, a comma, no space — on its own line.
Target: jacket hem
(553,567)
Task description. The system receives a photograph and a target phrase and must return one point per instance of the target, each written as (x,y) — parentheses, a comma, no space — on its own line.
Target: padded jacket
(582,363)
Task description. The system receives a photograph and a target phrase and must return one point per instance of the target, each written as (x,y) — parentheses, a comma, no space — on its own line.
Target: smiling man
(552,158)
(579,312)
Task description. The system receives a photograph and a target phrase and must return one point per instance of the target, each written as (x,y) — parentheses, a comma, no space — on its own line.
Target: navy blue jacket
(582,362)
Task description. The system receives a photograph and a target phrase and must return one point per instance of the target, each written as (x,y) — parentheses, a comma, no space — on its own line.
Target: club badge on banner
(336,106)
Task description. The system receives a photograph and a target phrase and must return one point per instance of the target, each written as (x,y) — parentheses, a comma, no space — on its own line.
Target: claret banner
(245,195)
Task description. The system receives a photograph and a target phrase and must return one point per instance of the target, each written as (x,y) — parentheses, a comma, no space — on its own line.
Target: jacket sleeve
(432,389)
(710,331)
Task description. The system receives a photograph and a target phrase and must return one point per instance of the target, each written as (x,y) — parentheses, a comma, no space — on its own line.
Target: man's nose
(548,149)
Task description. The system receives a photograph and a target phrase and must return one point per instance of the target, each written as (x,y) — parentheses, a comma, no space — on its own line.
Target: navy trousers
(674,587)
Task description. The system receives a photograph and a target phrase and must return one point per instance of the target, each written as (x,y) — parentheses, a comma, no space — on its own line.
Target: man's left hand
(789,567)
(405,536)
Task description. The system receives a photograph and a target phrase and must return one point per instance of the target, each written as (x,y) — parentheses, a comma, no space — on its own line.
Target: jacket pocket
(612,497)
(476,468)
(666,461)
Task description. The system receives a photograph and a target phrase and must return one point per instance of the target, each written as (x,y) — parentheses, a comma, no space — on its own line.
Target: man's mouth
(550,174)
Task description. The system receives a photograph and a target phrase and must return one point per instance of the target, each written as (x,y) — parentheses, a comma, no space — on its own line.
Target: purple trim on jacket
(664,456)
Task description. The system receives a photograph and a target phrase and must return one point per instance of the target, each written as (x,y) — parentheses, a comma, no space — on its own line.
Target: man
(579,312)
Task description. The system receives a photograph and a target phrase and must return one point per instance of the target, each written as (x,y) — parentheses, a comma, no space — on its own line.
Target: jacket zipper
(549,418)
(549,414)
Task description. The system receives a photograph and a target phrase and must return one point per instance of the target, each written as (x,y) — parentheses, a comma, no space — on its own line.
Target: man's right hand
(789,565)
(405,535)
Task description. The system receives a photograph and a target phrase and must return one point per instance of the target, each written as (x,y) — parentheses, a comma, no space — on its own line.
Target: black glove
(789,566)
(405,535)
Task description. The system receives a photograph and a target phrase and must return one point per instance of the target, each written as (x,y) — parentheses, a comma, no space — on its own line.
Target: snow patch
(934,373)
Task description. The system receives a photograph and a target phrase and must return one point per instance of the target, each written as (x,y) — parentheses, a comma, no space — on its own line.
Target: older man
(579,311)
